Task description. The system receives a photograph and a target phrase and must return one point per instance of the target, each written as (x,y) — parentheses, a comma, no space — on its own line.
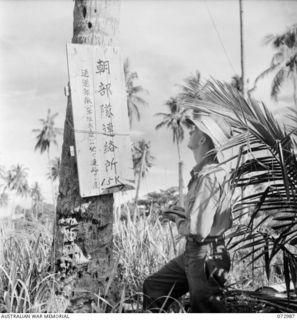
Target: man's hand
(168,216)
(177,210)
(173,212)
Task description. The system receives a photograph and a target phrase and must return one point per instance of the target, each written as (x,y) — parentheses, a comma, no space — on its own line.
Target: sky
(165,41)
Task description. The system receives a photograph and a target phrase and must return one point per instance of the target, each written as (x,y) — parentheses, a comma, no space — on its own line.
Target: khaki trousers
(200,270)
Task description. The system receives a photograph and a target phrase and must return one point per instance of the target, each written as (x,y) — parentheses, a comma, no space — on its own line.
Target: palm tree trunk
(90,252)
(54,208)
(51,179)
(138,185)
(295,87)
(242,49)
(180,176)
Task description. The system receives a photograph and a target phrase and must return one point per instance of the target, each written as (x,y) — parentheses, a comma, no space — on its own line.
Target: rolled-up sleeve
(183,226)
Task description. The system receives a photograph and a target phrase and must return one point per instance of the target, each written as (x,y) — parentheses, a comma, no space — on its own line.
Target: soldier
(201,270)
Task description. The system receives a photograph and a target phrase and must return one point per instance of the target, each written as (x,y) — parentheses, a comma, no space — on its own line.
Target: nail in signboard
(100,117)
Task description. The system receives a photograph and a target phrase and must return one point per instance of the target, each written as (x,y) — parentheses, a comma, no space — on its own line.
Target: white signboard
(100,118)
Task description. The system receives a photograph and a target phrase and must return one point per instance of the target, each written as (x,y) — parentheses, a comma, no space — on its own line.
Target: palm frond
(139,89)
(292,115)
(283,61)
(48,133)
(268,39)
(141,148)
(277,82)
(162,114)
(134,101)
(139,101)
(175,120)
(266,161)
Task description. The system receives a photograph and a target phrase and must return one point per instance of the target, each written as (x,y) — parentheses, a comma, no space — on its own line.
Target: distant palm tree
(191,89)
(142,161)
(175,121)
(35,192)
(16,180)
(47,136)
(284,61)
(134,101)
(36,195)
(3,194)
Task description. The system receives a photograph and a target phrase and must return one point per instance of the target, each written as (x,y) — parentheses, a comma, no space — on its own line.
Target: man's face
(196,138)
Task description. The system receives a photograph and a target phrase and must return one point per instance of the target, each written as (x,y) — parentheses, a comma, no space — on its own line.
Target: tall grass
(143,248)
(140,249)
(26,284)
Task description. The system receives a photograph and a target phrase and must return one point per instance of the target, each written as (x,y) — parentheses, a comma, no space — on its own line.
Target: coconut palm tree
(283,63)
(3,194)
(142,162)
(16,180)
(90,261)
(191,88)
(47,136)
(36,195)
(134,100)
(269,169)
(175,121)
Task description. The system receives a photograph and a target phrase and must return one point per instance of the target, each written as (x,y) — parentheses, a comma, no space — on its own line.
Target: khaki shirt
(208,203)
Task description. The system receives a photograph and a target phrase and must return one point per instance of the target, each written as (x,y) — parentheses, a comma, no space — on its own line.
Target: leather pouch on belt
(217,266)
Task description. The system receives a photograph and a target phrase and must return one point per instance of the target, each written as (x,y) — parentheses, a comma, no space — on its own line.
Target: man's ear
(202,140)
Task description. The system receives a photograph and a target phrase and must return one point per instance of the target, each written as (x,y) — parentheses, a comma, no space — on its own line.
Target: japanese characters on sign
(89,111)
(100,118)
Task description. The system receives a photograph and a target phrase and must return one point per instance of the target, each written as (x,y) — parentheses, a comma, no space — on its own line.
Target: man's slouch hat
(215,127)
